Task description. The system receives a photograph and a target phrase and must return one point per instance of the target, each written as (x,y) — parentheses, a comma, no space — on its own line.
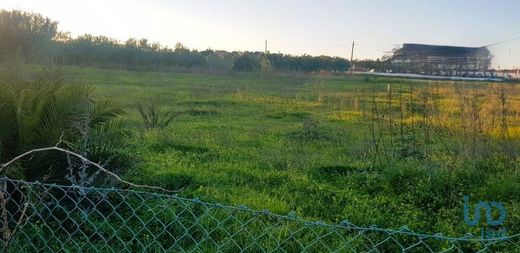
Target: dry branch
(84,159)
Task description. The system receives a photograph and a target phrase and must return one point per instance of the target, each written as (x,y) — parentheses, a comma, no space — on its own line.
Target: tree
(180,48)
(131,43)
(243,63)
(265,65)
(27,34)
(34,38)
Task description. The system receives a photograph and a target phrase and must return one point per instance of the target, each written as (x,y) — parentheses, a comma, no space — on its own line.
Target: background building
(441,60)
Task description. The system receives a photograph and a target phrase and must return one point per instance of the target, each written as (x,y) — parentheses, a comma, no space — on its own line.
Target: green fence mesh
(38,217)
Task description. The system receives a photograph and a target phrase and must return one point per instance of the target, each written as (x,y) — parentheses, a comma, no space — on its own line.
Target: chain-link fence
(38,217)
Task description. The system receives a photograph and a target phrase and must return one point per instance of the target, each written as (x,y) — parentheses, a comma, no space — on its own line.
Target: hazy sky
(307,26)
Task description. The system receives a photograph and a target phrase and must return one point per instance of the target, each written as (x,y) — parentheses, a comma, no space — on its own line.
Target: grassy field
(379,151)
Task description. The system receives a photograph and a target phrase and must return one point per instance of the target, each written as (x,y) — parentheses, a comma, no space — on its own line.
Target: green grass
(243,139)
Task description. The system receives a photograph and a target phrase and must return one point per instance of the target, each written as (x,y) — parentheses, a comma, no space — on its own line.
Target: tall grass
(404,155)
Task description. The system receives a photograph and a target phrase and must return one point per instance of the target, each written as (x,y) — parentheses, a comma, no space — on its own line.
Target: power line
(346,45)
(504,41)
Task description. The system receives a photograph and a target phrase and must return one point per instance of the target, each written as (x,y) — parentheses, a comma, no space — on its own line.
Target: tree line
(37,39)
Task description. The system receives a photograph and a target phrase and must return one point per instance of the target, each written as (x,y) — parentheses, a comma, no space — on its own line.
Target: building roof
(441,51)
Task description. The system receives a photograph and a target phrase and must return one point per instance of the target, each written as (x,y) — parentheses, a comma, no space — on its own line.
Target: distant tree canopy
(35,39)
(243,63)
(306,63)
(88,50)
(26,35)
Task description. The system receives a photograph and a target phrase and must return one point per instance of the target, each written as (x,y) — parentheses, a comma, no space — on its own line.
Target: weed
(154,116)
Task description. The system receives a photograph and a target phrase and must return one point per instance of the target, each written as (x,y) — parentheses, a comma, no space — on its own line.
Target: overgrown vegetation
(329,148)
(44,112)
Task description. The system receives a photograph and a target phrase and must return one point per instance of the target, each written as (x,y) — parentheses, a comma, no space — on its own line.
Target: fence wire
(38,217)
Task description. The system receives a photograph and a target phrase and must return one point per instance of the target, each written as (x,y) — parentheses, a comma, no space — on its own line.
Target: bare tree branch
(84,159)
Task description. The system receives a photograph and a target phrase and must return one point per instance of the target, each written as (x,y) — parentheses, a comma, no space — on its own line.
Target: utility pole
(265,47)
(518,72)
(351,59)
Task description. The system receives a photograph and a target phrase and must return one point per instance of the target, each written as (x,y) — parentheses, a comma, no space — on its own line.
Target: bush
(44,112)
(154,117)
(310,129)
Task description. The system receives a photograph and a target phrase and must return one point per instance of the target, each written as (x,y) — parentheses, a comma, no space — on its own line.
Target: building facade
(441,60)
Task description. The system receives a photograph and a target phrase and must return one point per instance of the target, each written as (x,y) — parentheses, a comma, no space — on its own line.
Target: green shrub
(154,116)
(44,112)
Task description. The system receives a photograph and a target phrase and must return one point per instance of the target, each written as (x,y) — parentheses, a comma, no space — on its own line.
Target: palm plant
(154,117)
(43,112)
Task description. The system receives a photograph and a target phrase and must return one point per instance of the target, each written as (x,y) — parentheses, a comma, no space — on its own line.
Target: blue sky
(313,27)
